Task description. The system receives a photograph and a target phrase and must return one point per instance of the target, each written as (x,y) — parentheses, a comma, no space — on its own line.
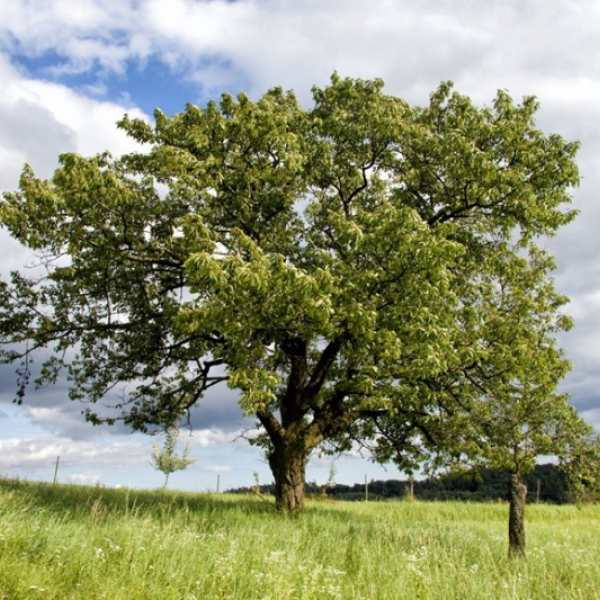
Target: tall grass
(71,542)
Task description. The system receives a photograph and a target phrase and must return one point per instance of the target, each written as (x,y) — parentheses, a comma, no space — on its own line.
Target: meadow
(69,542)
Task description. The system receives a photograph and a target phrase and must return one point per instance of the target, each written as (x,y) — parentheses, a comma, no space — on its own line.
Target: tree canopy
(359,270)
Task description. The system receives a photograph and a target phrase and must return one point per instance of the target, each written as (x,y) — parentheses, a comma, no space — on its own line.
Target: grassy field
(62,542)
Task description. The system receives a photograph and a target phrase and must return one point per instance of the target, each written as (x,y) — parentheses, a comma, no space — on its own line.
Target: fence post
(56,469)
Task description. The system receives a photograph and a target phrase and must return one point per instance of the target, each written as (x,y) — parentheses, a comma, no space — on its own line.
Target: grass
(71,542)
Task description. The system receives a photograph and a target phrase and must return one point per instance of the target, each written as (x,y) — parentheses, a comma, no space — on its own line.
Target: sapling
(166,459)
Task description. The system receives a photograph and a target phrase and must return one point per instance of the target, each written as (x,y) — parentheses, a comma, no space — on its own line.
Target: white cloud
(85,32)
(39,120)
(206,438)
(297,43)
(41,451)
(412,44)
(63,418)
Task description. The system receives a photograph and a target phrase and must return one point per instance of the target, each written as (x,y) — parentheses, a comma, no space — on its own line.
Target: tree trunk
(517,493)
(288,464)
(164,487)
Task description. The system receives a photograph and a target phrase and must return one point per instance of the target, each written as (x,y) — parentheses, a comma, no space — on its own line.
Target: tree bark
(288,464)
(517,493)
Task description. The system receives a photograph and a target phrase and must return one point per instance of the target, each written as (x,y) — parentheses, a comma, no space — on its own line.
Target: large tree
(332,263)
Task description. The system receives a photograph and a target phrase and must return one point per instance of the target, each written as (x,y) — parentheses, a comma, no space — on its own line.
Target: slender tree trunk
(517,493)
(164,487)
(288,464)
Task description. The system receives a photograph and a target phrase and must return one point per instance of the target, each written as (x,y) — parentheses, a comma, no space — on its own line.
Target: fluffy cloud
(272,42)
(63,418)
(40,451)
(39,120)
(206,438)
(83,33)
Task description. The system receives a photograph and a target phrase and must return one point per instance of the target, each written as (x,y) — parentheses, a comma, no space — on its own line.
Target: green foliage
(359,270)
(547,483)
(581,463)
(166,459)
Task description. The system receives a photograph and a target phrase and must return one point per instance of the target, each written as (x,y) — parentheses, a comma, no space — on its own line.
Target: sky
(69,69)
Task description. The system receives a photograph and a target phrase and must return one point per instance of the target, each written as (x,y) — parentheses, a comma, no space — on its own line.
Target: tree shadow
(75,501)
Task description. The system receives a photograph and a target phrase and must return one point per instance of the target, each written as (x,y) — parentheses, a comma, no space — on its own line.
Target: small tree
(521,416)
(323,487)
(512,413)
(515,428)
(166,459)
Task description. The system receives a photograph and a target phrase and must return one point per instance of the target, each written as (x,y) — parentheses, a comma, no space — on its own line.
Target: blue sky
(71,68)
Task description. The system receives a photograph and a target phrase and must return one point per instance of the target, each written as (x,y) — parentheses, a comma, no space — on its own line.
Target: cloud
(83,32)
(206,438)
(592,416)
(217,420)
(39,120)
(412,44)
(110,459)
(220,410)
(66,421)
(50,409)
(257,44)
(41,451)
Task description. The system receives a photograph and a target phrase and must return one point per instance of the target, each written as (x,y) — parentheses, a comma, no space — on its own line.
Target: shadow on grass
(76,500)
(203,510)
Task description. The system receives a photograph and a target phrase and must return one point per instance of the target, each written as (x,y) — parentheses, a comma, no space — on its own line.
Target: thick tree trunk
(288,464)
(517,493)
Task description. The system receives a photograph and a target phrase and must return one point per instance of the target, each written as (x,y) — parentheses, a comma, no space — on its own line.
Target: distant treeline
(546,483)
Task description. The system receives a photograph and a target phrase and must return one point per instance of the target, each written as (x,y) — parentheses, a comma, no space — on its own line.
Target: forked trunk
(517,494)
(288,465)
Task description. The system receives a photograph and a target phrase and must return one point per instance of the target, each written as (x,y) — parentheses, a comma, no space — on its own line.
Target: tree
(329,263)
(504,421)
(509,429)
(166,460)
(330,483)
